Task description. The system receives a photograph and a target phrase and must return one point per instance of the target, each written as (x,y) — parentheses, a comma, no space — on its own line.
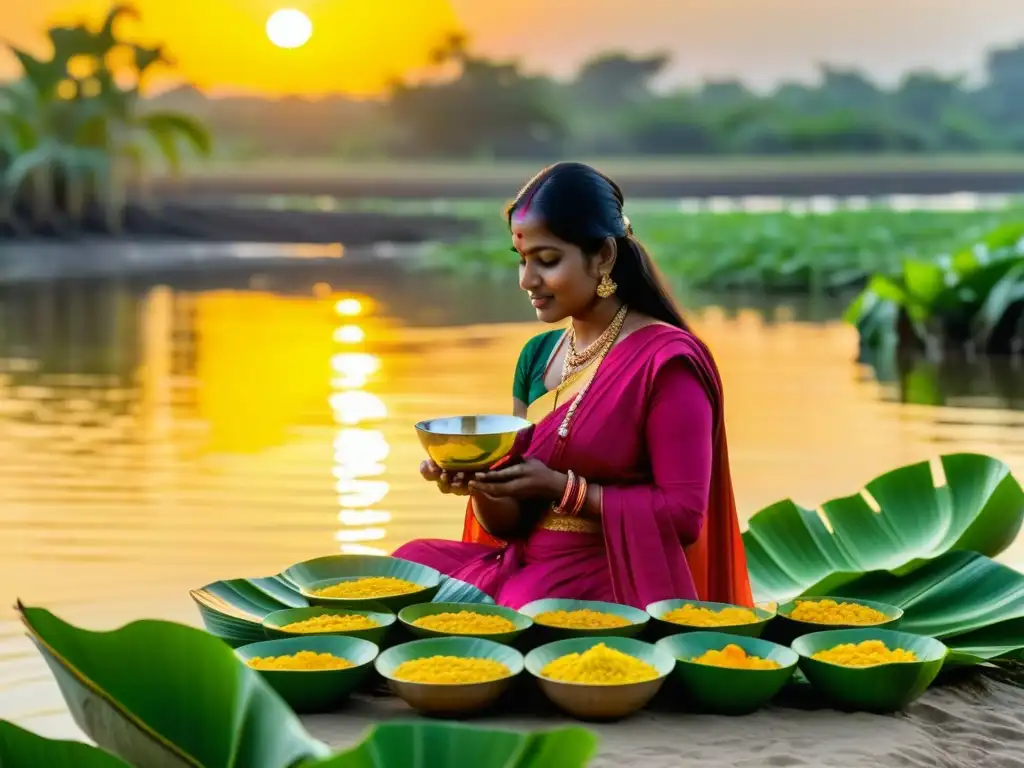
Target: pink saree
(650,431)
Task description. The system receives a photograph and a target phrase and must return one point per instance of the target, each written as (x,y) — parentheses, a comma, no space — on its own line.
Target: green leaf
(45,76)
(43,156)
(973,604)
(22,134)
(23,749)
(147,57)
(924,280)
(887,289)
(791,551)
(390,745)
(1004,295)
(69,42)
(106,35)
(232,609)
(160,694)
(435,745)
(171,125)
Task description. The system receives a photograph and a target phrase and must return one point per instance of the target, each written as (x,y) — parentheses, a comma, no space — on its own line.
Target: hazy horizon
(762,42)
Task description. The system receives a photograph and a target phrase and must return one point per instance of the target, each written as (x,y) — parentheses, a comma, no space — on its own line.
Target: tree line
(478,107)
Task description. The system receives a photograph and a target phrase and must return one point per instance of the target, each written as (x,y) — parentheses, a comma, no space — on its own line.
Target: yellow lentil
(734,657)
(599,665)
(369,587)
(868,653)
(831,612)
(330,623)
(302,661)
(466,623)
(581,619)
(699,616)
(450,670)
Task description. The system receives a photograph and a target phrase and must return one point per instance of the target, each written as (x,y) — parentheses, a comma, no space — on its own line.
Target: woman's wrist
(561,484)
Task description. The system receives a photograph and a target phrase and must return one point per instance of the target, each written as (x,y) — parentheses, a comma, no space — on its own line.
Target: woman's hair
(582,206)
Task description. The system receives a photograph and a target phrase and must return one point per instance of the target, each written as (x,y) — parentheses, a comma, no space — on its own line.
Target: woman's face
(559,279)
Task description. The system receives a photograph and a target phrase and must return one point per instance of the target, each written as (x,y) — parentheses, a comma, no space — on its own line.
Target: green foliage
(974,297)
(74,131)
(155,693)
(778,252)
(476,107)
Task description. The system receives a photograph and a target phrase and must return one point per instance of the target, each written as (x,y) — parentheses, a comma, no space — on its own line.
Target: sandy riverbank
(977,722)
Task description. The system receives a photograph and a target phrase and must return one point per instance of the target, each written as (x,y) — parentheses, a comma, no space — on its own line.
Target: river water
(156,438)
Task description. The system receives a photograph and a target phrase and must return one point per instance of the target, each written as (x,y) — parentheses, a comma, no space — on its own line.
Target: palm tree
(72,136)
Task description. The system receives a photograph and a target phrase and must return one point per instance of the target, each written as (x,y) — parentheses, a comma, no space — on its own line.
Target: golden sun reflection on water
(358,451)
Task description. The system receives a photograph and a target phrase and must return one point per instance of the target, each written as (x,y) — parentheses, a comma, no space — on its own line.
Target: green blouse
(533,360)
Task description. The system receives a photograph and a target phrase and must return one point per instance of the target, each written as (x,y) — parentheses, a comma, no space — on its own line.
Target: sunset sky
(357,46)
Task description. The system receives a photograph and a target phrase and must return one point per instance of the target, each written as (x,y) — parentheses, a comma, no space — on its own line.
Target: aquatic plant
(159,693)
(971,299)
(74,135)
(790,251)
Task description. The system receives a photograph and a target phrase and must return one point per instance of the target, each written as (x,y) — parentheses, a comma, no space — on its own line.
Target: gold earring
(606,287)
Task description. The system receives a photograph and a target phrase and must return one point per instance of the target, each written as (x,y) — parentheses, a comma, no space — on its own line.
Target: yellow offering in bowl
(301,661)
(581,619)
(466,623)
(450,670)
(868,653)
(734,657)
(699,616)
(599,665)
(368,587)
(330,623)
(831,612)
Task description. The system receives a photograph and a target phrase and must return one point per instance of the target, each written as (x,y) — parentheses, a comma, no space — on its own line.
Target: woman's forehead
(529,227)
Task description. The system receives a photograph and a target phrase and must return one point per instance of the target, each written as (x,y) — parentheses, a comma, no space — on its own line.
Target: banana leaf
(232,609)
(973,604)
(435,745)
(392,745)
(161,695)
(23,749)
(791,551)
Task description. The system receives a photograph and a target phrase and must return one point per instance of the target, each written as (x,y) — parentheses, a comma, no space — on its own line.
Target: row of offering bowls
(775,623)
(700,687)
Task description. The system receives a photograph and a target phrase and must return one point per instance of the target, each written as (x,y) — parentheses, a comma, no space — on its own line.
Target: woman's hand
(531,479)
(454,483)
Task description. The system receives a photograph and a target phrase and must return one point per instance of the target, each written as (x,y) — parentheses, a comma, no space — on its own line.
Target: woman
(623,493)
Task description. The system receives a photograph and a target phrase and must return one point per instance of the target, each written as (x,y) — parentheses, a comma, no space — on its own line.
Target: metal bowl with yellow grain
(471,443)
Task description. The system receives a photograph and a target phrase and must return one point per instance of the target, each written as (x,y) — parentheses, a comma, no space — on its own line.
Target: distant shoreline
(644,177)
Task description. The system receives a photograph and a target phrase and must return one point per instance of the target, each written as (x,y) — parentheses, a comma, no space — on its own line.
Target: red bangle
(581,498)
(569,494)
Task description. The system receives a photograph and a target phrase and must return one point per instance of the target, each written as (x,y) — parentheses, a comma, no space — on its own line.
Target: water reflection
(155,440)
(358,451)
(996,382)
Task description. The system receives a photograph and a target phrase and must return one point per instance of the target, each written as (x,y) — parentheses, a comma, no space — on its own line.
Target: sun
(289,28)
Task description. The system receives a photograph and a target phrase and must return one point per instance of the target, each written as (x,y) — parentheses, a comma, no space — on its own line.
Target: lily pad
(792,552)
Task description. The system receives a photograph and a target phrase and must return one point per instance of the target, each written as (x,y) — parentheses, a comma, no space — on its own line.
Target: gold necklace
(616,329)
(575,360)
